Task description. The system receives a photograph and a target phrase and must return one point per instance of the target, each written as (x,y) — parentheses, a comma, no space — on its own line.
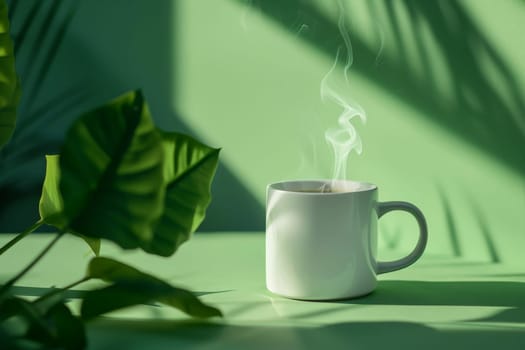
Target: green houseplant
(117,178)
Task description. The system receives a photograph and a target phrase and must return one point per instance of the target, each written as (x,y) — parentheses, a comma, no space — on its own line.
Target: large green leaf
(111,173)
(9,83)
(188,172)
(51,205)
(130,286)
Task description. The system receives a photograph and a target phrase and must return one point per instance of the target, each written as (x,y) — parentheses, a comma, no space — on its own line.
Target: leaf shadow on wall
(488,117)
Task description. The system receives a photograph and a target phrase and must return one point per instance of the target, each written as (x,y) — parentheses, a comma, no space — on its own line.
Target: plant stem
(56,291)
(13,280)
(21,235)
(76,283)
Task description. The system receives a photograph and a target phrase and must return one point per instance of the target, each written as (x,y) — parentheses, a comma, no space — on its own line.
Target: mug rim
(356,186)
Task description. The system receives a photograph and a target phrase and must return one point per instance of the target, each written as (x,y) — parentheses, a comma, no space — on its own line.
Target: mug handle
(389,266)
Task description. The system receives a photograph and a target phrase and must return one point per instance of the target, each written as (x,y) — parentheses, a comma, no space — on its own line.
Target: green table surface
(440,302)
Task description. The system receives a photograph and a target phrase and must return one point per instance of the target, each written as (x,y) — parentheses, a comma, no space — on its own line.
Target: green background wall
(442,83)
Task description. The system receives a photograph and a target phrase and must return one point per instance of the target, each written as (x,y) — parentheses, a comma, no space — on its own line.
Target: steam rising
(348,44)
(343,138)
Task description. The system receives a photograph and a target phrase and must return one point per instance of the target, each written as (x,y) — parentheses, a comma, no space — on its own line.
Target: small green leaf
(110,270)
(14,306)
(9,83)
(189,167)
(93,243)
(132,287)
(17,316)
(50,324)
(111,173)
(66,330)
(51,205)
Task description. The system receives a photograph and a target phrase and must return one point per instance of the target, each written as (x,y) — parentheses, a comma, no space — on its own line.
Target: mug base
(324,299)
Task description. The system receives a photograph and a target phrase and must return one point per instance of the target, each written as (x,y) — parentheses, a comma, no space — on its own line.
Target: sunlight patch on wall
(253,89)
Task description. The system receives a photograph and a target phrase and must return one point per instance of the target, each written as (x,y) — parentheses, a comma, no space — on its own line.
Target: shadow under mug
(321,238)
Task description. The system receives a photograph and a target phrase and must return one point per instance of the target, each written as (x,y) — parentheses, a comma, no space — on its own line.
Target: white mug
(323,245)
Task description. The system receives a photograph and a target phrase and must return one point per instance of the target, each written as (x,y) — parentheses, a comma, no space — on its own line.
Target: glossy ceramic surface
(323,245)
